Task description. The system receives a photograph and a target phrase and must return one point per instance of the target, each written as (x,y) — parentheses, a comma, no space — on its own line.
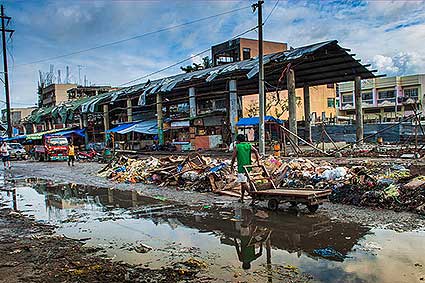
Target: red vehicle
(53,148)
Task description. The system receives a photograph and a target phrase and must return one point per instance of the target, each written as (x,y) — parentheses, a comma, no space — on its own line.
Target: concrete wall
(269,47)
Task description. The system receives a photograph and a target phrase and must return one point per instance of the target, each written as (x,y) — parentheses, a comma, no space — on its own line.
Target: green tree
(206,63)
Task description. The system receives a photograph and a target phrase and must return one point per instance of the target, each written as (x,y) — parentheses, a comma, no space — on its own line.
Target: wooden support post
(106,118)
(292,104)
(307,113)
(129,110)
(192,102)
(233,107)
(359,109)
(160,119)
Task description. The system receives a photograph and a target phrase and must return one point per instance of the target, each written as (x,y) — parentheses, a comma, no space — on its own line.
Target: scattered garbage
(329,252)
(365,183)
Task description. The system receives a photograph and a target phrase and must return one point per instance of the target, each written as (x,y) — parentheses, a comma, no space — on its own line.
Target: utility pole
(6,75)
(261,94)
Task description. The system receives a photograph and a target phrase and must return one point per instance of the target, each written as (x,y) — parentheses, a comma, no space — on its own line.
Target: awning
(69,133)
(149,127)
(39,136)
(121,127)
(15,138)
(254,121)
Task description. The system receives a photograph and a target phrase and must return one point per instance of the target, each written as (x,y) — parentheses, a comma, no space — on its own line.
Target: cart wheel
(273,204)
(293,203)
(312,207)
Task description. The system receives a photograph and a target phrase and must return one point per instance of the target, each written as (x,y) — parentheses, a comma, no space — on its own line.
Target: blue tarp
(149,127)
(68,133)
(121,127)
(20,137)
(253,121)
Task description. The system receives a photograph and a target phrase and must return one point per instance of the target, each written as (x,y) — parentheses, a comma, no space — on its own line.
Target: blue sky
(388,34)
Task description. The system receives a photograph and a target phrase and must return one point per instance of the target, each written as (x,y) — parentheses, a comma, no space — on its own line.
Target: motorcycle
(91,155)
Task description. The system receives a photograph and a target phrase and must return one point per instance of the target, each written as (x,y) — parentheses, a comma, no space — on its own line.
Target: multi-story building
(384,99)
(240,49)
(54,94)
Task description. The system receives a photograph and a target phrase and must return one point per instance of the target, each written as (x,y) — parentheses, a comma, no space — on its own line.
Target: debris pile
(194,172)
(379,185)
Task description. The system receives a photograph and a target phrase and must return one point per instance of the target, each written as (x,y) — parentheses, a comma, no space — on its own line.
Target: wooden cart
(263,188)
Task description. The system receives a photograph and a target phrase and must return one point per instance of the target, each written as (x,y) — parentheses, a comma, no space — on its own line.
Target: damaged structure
(200,110)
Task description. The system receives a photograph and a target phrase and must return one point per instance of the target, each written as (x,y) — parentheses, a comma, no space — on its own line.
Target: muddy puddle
(236,244)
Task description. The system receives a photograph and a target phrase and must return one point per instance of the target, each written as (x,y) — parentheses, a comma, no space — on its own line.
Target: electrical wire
(133,37)
(181,61)
(271,12)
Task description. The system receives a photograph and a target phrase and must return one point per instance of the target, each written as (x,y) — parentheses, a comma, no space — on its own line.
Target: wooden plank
(302,193)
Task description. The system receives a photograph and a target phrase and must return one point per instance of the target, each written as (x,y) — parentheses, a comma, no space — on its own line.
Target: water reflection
(240,239)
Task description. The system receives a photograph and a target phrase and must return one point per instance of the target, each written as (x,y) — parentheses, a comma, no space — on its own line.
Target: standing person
(242,153)
(5,155)
(71,154)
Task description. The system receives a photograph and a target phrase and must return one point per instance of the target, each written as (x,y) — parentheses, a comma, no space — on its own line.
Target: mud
(33,252)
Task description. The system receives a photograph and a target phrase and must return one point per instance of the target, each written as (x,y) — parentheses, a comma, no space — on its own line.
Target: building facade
(54,94)
(240,49)
(383,99)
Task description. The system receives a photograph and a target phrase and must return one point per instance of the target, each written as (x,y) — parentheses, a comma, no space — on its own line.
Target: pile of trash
(386,186)
(378,185)
(194,172)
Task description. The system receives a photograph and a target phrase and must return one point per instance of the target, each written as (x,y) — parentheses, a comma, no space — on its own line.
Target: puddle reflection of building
(65,195)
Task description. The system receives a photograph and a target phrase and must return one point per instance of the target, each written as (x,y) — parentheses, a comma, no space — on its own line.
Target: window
(411,92)
(367,97)
(220,104)
(246,53)
(386,95)
(331,102)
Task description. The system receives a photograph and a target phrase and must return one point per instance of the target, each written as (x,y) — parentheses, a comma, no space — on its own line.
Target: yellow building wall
(318,102)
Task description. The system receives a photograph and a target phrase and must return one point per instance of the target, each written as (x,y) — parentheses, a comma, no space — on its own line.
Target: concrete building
(240,49)
(383,99)
(322,103)
(16,115)
(54,94)
(88,91)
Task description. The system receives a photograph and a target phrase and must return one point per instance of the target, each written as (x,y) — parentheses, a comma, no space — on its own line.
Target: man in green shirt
(242,152)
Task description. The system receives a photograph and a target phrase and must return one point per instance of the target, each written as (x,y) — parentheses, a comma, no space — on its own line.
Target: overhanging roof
(316,64)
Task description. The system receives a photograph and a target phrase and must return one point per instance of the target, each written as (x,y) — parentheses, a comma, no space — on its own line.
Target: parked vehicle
(17,151)
(91,155)
(53,148)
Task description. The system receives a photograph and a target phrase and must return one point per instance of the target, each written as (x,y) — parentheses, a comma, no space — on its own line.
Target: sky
(389,35)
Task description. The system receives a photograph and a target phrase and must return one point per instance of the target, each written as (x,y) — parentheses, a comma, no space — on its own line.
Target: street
(125,226)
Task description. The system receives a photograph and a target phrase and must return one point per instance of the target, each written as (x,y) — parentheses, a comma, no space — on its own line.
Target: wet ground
(227,241)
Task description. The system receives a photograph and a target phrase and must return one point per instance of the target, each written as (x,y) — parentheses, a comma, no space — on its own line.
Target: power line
(133,37)
(182,61)
(271,12)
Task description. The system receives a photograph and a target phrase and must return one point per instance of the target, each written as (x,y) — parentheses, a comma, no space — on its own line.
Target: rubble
(378,185)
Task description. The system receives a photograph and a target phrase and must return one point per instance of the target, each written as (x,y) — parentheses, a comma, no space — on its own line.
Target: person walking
(5,155)
(242,153)
(71,155)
